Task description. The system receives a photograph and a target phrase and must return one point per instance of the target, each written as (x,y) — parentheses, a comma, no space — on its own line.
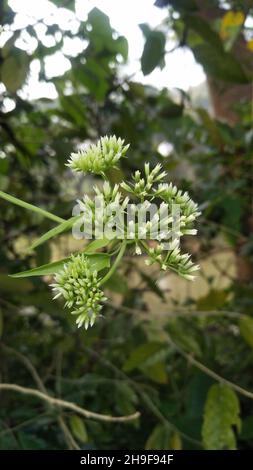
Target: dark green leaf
(153,52)
(140,355)
(100,22)
(152,285)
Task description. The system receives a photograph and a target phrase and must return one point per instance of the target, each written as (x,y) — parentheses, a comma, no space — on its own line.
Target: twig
(28,365)
(68,436)
(68,405)
(143,395)
(182,312)
(210,372)
(156,412)
(71,443)
(187,356)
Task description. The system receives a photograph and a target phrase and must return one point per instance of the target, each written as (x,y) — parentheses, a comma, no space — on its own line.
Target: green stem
(30,207)
(116,263)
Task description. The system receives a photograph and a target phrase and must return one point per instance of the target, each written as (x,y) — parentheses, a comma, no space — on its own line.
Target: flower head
(78,284)
(171,195)
(100,157)
(143,186)
(173,259)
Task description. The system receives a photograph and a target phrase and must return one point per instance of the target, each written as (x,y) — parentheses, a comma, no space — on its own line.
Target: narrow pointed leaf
(98,262)
(96,244)
(63,227)
(30,207)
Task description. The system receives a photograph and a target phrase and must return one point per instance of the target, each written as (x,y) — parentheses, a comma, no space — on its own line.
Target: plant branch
(71,443)
(67,404)
(27,363)
(185,313)
(116,263)
(210,372)
(68,436)
(143,396)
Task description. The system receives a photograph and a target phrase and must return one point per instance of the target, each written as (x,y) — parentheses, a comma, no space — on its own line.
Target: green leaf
(98,261)
(94,76)
(220,64)
(175,442)
(159,438)
(125,398)
(127,393)
(221,413)
(185,336)
(196,393)
(145,28)
(7,48)
(30,207)
(100,22)
(156,372)
(140,355)
(70,4)
(63,227)
(246,329)
(78,428)
(14,71)
(121,46)
(29,441)
(43,270)
(153,52)
(152,285)
(96,244)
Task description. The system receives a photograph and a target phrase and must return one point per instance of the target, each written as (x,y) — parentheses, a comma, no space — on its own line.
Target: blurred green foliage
(129,361)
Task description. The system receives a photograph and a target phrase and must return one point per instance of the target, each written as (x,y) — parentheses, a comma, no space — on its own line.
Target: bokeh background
(174,79)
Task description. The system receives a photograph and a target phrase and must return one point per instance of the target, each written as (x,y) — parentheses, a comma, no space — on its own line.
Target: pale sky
(181,70)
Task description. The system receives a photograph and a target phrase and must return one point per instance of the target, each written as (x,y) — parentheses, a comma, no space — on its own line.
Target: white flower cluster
(77,282)
(142,186)
(171,195)
(101,209)
(167,255)
(79,285)
(98,158)
(173,259)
